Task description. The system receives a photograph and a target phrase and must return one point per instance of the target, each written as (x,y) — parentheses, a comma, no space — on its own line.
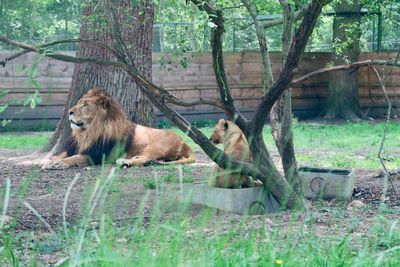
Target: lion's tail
(190,159)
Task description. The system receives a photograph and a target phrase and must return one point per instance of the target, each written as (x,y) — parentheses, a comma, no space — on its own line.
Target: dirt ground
(46,189)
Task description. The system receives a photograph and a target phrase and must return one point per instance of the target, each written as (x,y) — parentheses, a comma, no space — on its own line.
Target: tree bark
(281,113)
(342,101)
(136,30)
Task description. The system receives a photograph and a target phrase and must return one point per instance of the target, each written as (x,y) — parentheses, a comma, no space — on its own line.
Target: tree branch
(161,92)
(354,65)
(217,31)
(268,77)
(296,16)
(78,40)
(386,177)
(232,7)
(281,113)
(290,68)
(118,40)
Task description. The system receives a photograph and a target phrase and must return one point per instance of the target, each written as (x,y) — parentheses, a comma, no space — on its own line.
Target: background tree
(136,22)
(342,99)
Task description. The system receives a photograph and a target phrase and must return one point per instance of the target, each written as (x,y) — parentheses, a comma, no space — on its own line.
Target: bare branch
(296,16)
(268,78)
(232,7)
(386,175)
(205,6)
(354,65)
(161,92)
(290,68)
(119,42)
(389,109)
(217,31)
(78,40)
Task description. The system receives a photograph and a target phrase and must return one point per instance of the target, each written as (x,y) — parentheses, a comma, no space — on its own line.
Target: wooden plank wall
(244,72)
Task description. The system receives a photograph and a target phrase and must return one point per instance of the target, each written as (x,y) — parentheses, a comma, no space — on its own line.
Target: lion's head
(223,130)
(93,109)
(97,118)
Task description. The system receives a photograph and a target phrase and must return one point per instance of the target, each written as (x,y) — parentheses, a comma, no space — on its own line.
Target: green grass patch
(20,141)
(348,136)
(349,145)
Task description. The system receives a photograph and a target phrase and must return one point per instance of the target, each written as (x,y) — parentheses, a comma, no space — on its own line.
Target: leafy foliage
(180,27)
(36,21)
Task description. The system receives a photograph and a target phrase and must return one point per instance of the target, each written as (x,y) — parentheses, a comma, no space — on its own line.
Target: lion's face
(219,132)
(93,105)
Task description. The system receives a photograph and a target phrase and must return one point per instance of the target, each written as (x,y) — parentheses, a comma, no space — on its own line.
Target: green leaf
(4,93)
(184,62)
(3,108)
(5,122)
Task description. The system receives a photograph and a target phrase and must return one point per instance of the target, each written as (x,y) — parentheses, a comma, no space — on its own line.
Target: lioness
(236,146)
(101,132)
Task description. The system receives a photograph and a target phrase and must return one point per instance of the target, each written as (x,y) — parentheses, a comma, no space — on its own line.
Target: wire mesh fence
(380,32)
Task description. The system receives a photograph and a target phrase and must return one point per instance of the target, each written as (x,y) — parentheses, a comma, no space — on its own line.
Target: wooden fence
(244,72)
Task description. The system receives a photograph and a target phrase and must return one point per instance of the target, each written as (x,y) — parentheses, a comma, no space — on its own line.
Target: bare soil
(46,189)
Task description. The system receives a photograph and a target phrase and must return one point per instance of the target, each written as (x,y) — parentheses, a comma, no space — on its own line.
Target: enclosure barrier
(189,76)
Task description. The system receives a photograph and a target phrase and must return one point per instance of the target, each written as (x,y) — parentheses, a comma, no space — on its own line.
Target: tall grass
(166,232)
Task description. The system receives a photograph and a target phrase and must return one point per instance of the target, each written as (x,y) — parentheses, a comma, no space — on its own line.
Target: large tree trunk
(342,101)
(136,29)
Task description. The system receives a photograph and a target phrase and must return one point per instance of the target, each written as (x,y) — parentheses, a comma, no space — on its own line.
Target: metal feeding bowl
(327,183)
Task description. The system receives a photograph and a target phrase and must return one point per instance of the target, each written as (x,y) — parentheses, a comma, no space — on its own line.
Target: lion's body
(101,132)
(236,146)
(155,144)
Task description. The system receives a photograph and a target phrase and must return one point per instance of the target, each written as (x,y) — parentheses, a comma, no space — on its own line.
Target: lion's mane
(108,137)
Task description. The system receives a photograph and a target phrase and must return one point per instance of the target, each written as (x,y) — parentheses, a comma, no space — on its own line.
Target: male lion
(101,132)
(236,146)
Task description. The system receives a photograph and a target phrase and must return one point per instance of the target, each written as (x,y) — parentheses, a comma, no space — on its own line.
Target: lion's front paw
(122,163)
(55,165)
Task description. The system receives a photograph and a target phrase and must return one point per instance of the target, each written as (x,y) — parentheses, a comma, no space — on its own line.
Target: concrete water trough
(251,201)
(327,183)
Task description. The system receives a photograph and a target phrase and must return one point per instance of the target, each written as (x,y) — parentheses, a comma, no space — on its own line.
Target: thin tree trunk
(342,100)
(137,26)
(281,113)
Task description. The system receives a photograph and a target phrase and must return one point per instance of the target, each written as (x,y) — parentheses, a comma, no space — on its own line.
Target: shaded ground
(45,192)
(45,189)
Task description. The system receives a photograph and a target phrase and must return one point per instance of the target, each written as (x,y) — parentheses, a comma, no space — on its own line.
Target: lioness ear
(226,125)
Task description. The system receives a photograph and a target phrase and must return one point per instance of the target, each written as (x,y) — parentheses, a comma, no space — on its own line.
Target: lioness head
(93,108)
(220,131)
